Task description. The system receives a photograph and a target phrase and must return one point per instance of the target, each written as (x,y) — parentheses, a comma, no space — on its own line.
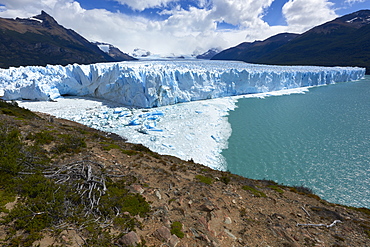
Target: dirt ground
(214,208)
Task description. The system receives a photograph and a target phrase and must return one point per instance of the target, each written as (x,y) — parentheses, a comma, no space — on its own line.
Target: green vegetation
(41,138)
(70,144)
(362,210)
(54,197)
(119,198)
(176,228)
(109,146)
(301,189)
(254,191)
(129,152)
(11,157)
(12,109)
(204,179)
(5,197)
(225,179)
(141,148)
(276,188)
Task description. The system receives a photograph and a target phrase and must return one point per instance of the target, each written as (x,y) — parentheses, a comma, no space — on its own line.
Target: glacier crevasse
(158,83)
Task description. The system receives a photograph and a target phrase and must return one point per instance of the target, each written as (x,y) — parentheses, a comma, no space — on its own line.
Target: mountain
(250,51)
(209,54)
(344,41)
(113,51)
(141,53)
(40,40)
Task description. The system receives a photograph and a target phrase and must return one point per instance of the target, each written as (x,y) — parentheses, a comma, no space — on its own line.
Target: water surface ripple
(320,139)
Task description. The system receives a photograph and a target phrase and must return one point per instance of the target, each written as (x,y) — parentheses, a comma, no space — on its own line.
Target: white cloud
(145,4)
(24,8)
(304,14)
(244,13)
(350,2)
(204,3)
(185,30)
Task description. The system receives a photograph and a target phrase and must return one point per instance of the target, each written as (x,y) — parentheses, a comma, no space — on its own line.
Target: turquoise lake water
(320,139)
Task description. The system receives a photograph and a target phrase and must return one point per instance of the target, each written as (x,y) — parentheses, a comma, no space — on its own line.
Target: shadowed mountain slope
(250,51)
(344,41)
(40,40)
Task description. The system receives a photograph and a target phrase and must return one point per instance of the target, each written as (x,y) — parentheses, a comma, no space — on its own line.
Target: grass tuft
(254,191)
(204,179)
(176,228)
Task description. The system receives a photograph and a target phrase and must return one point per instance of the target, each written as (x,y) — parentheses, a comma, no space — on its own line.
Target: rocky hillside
(344,41)
(64,184)
(40,40)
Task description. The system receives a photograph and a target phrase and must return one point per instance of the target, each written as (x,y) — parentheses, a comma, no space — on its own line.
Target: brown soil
(222,213)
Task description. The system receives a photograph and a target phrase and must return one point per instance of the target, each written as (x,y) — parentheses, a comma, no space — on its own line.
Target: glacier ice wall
(158,83)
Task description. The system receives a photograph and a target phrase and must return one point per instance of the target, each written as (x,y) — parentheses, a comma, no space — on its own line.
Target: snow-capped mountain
(113,51)
(208,54)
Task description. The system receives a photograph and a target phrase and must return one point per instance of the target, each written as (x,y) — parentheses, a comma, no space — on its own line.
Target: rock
(166,221)
(136,188)
(227,220)
(162,234)
(207,207)
(158,194)
(195,232)
(278,216)
(230,234)
(183,245)
(174,240)
(130,239)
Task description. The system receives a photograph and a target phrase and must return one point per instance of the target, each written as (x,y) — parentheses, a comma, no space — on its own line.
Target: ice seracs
(149,84)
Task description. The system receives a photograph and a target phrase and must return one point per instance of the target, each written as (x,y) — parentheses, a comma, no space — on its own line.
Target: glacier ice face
(158,83)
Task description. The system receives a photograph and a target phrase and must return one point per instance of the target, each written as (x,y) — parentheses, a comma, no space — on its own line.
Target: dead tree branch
(319,225)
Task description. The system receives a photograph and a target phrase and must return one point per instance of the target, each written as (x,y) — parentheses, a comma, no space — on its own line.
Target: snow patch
(35,19)
(104,48)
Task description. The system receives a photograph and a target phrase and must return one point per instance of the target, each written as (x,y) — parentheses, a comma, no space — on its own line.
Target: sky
(176,27)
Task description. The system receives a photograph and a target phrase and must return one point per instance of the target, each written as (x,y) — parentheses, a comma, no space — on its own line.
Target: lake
(320,139)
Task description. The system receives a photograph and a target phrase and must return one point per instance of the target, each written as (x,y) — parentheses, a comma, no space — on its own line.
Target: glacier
(148,84)
(156,103)
(197,130)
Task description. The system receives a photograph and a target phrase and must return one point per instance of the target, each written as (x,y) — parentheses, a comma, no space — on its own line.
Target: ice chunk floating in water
(158,83)
(193,130)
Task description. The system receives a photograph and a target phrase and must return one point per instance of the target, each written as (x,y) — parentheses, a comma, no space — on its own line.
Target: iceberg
(179,130)
(148,84)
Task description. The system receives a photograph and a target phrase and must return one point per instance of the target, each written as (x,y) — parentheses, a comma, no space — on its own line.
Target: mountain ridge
(344,41)
(255,49)
(40,40)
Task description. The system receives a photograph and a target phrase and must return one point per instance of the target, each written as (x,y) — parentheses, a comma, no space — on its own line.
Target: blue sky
(174,27)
